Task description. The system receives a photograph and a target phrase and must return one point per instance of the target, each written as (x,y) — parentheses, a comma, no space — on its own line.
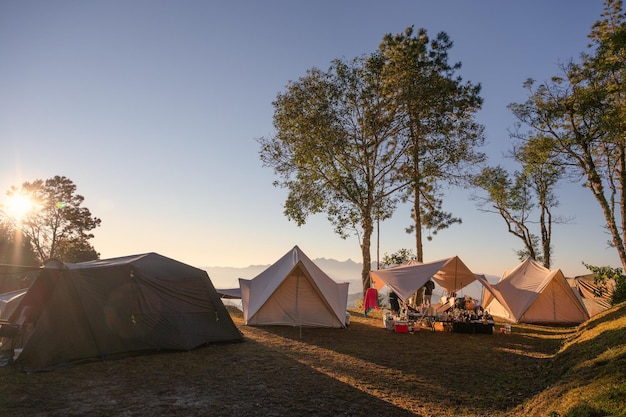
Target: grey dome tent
(113,308)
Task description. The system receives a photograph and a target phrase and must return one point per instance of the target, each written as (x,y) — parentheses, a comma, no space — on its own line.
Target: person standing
(428,292)
(394,303)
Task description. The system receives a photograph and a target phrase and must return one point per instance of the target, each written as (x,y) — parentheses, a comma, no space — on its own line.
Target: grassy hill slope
(588,375)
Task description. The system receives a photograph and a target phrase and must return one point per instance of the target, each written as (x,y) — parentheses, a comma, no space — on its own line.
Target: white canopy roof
(450,273)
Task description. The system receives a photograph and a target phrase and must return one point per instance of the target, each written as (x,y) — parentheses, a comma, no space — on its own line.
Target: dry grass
(278,371)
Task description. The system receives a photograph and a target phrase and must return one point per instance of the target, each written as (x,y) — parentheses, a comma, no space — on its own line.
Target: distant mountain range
(340,271)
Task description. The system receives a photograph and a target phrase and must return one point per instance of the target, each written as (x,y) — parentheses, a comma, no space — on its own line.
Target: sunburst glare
(18,206)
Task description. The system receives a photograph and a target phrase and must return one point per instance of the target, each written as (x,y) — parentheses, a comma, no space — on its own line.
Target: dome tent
(112,308)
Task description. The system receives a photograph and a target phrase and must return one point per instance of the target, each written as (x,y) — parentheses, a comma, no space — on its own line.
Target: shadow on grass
(480,374)
(243,379)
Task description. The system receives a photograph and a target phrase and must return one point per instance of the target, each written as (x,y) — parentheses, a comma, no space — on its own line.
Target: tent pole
(456,267)
(297,302)
(553,303)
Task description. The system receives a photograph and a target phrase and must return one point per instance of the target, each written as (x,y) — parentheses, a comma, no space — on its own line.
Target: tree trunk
(597,189)
(365,251)
(417,219)
(622,206)
(546,234)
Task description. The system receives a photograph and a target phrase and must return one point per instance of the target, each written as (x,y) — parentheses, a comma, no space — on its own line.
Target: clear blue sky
(152,108)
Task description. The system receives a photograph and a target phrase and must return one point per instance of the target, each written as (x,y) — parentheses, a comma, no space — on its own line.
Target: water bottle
(507,328)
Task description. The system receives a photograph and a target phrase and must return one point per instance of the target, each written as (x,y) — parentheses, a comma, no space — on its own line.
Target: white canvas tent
(294,291)
(450,273)
(531,293)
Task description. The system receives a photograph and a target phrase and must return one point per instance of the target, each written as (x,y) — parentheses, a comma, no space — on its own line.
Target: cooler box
(401,327)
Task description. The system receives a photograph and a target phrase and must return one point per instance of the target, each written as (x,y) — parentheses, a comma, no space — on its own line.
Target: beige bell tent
(294,291)
(531,293)
(450,273)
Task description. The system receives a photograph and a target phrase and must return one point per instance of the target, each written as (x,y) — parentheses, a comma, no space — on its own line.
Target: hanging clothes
(371,300)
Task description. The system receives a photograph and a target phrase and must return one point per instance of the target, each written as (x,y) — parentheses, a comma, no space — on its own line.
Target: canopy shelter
(450,273)
(229,293)
(531,293)
(116,307)
(9,301)
(294,291)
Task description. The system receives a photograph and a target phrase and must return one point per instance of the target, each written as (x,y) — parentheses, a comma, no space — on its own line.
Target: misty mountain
(340,271)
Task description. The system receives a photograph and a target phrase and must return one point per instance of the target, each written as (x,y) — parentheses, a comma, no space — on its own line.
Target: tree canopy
(351,139)
(583,112)
(337,149)
(526,199)
(54,221)
(436,110)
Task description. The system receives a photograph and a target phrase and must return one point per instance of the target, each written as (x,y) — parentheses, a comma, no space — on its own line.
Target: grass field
(364,370)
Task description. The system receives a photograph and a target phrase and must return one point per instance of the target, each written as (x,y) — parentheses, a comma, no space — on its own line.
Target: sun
(18,206)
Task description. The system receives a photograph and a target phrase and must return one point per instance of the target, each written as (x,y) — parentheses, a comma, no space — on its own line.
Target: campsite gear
(111,308)
(294,291)
(401,327)
(531,293)
(388,320)
(441,326)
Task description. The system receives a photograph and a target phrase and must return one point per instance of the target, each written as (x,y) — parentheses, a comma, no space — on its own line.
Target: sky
(153,109)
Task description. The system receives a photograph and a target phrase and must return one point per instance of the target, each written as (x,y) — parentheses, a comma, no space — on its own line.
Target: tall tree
(583,111)
(337,149)
(56,218)
(511,198)
(436,111)
(526,200)
(542,169)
